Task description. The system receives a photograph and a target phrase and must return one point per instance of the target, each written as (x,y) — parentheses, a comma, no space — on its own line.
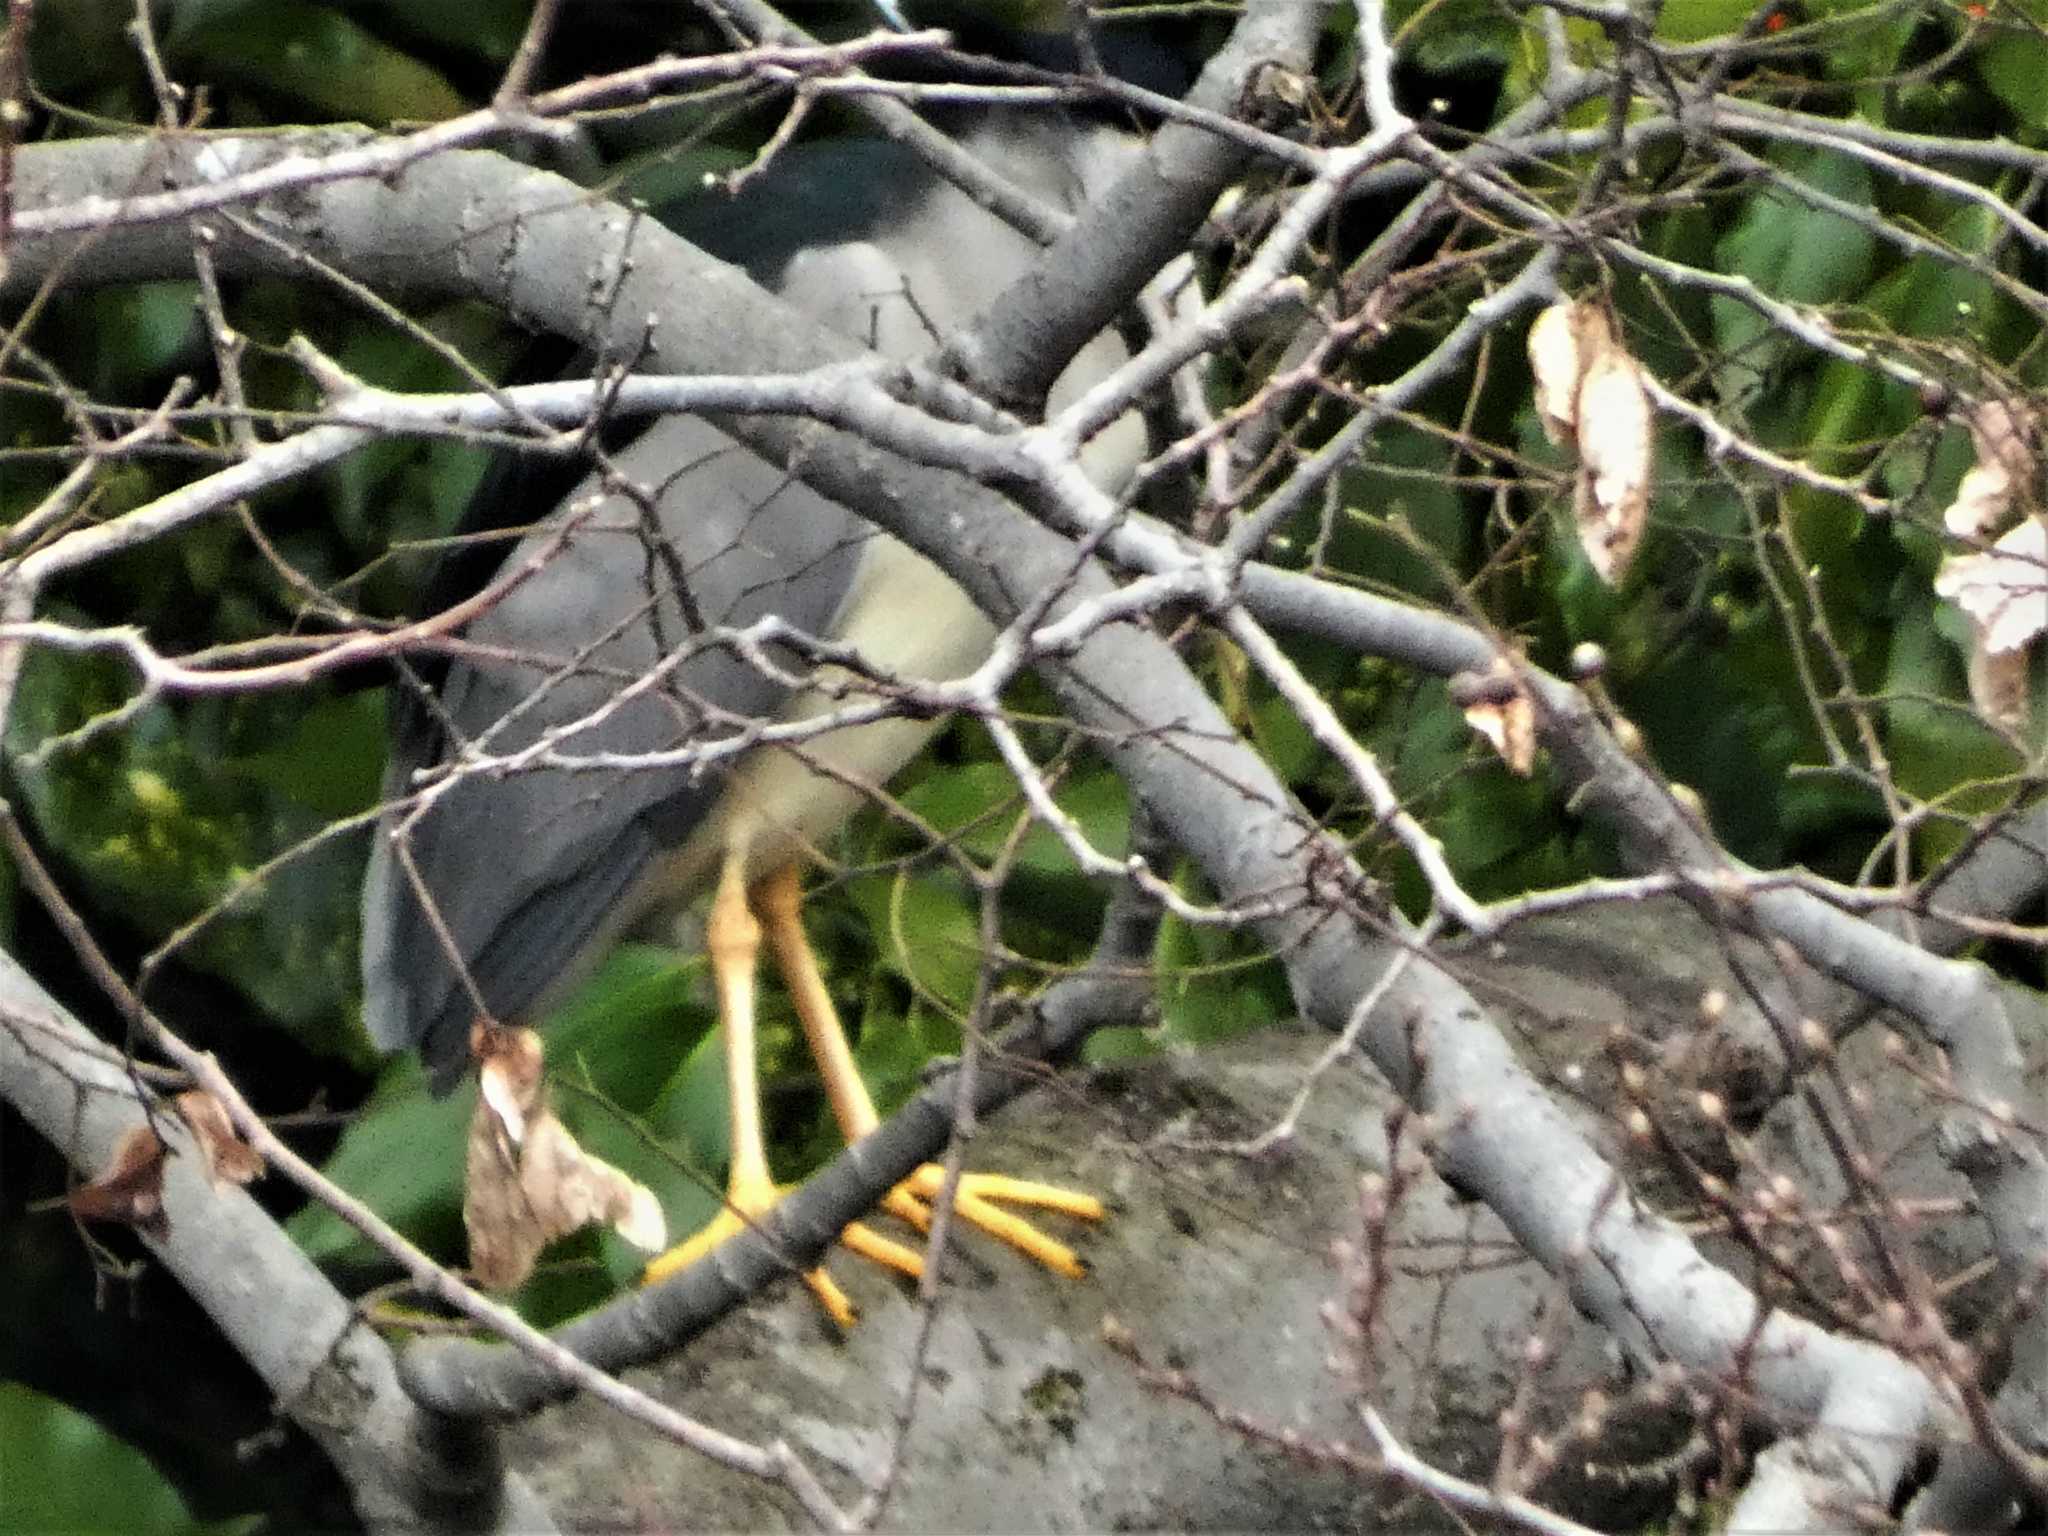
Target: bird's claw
(979,1200)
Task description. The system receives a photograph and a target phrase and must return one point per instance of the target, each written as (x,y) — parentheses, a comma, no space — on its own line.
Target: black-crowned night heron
(534,875)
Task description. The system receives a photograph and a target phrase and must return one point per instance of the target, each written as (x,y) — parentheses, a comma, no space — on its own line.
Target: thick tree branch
(408,1468)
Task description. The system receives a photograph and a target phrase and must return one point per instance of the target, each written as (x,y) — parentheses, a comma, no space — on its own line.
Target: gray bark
(408,1470)
(1222,1266)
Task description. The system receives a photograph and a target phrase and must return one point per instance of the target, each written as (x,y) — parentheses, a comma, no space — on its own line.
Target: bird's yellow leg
(778,901)
(733,939)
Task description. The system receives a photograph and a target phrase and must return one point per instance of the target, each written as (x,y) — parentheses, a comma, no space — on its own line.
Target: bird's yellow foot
(979,1201)
(777,903)
(743,1210)
(733,936)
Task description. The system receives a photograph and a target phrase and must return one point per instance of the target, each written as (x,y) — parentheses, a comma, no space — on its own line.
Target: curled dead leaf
(1554,361)
(1999,685)
(2004,589)
(229,1159)
(1617,447)
(2003,435)
(1590,397)
(1984,499)
(1499,708)
(131,1187)
(1992,490)
(508,1074)
(528,1182)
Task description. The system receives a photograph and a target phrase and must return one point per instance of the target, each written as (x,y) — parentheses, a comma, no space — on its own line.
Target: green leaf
(330,763)
(1214,985)
(627,1029)
(59,1471)
(892,1051)
(1856,410)
(143,329)
(1793,252)
(159,824)
(486,29)
(1214,1004)
(669,178)
(310,55)
(974,804)
(1693,21)
(401,1156)
(392,490)
(1405,476)
(1095,797)
(1121,1043)
(1456,37)
(693,1114)
(2015,66)
(1871,48)
(1937,746)
(929,931)
(1281,737)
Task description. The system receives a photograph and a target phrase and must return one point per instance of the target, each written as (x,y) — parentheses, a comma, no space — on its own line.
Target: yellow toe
(886,1251)
(976,1202)
(731,1221)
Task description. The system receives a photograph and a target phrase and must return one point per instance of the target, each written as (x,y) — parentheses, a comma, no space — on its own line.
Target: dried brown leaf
(528,1182)
(508,1074)
(1984,499)
(229,1159)
(1999,685)
(2003,435)
(1511,727)
(1555,361)
(504,1238)
(2004,589)
(1590,396)
(1498,708)
(573,1189)
(1617,449)
(130,1189)
(1992,489)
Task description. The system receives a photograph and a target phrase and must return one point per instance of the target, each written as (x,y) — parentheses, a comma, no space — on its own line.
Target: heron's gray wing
(524,870)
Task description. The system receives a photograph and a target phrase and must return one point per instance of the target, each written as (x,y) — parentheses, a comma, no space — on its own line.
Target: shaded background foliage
(200,840)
